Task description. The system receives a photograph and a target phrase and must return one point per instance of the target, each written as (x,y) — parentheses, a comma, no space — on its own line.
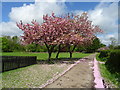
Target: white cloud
(106,37)
(105,15)
(78,12)
(10,29)
(27,13)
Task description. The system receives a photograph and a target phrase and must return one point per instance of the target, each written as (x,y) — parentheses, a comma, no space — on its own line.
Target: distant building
(103,48)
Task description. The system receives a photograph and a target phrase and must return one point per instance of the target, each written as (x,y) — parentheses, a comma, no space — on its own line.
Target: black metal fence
(14,62)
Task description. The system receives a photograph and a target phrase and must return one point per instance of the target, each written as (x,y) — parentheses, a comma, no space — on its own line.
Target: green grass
(44,56)
(112,78)
(100,59)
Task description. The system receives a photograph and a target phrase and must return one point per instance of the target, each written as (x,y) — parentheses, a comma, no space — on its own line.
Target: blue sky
(81,5)
(71,6)
(103,14)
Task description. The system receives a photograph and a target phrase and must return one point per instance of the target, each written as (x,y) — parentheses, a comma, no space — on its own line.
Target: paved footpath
(80,76)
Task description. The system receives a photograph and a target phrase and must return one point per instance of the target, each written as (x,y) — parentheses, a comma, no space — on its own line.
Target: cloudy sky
(104,14)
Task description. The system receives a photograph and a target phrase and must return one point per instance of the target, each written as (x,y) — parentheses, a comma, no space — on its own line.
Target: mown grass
(98,57)
(44,56)
(111,78)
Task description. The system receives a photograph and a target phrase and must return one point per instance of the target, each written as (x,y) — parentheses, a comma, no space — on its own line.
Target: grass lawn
(110,78)
(44,56)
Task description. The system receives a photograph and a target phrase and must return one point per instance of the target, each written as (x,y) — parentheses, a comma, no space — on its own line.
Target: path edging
(61,74)
(98,78)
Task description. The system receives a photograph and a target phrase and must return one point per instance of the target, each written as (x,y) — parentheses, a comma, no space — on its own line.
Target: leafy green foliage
(113,78)
(110,75)
(94,46)
(10,44)
(117,47)
(113,63)
(80,48)
(31,47)
(35,48)
(6,45)
(7,42)
(104,55)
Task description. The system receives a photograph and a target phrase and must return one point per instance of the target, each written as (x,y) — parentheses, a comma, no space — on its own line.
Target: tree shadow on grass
(59,61)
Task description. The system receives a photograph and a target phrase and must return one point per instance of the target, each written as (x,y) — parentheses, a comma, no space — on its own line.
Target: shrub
(117,47)
(6,45)
(104,55)
(113,63)
(35,48)
(94,46)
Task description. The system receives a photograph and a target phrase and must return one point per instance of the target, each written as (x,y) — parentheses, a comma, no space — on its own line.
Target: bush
(35,48)
(117,47)
(11,44)
(113,63)
(94,46)
(6,45)
(104,55)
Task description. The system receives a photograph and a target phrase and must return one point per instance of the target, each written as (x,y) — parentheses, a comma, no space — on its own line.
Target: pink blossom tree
(81,33)
(68,30)
(51,29)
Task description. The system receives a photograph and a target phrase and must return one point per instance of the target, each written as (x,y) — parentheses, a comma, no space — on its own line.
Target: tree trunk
(49,51)
(58,51)
(49,58)
(70,54)
(71,51)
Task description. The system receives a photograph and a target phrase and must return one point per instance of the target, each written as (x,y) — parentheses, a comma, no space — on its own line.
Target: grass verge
(44,56)
(111,78)
(100,59)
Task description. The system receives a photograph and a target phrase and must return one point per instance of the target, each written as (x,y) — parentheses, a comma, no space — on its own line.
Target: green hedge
(113,62)
(104,55)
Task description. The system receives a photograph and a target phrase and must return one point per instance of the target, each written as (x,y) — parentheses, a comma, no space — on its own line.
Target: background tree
(6,44)
(113,43)
(96,44)
(10,44)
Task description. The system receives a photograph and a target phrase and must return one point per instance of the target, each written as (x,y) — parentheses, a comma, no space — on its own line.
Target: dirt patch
(80,76)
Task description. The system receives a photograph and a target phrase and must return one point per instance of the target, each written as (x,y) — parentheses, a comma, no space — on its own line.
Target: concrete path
(80,76)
